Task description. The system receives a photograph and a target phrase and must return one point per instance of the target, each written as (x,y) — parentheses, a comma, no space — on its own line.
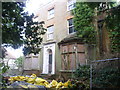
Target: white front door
(49,59)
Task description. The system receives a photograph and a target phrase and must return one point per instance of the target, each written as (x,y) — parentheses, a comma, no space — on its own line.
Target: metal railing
(102,70)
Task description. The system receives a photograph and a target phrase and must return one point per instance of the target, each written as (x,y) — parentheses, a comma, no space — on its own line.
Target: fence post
(91,76)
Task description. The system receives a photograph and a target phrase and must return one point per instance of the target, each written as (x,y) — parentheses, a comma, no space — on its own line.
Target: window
(50,30)
(51,13)
(71,4)
(71,26)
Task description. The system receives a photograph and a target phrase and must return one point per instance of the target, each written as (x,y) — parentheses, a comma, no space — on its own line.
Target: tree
(89,25)
(18,28)
(19,61)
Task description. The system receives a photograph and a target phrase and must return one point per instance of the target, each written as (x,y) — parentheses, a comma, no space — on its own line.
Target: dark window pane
(70,29)
(50,58)
(70,22)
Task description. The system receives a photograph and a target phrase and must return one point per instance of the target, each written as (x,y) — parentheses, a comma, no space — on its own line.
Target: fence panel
(105,73)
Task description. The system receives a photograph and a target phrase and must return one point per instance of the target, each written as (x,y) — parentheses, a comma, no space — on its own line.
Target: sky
(15,52)
(33,5)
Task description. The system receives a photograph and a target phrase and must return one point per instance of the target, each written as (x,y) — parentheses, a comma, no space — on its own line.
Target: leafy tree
(19,61)
(18,28)
(90,28)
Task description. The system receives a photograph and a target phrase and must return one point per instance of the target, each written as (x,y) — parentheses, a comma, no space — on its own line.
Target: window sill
(71,33)
(49,40)
(50,18)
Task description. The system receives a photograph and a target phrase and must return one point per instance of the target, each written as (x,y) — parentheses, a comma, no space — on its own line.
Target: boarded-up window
(72,55)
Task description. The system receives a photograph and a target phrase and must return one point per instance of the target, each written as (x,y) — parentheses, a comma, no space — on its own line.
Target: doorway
(50,61)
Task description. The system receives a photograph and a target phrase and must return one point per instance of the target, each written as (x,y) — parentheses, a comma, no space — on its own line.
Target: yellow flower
(42,84)
(39,80)
(17,78)
(53,83)
(33,75)
(66,84)
(60,84)
(11,79)
(46,83)
(22,78)
(30,80)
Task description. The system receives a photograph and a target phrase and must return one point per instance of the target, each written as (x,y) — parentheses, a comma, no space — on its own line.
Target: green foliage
(12,23)
(83,72)
(3,68)
(113,25)
(83,76)
(106,78)
(83,22)
(19,61)
(18,28)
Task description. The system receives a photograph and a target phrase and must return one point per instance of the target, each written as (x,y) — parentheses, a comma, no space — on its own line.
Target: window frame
(51,13)
(70,26)
(71,5)
(50,32)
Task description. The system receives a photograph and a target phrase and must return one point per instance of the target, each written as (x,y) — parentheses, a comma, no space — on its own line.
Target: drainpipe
(75,49)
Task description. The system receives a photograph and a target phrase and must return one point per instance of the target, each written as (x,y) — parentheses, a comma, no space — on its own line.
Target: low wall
(29,72)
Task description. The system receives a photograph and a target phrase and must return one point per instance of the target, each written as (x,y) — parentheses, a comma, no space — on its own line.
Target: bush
(106,78)
(83,72)
(83,76)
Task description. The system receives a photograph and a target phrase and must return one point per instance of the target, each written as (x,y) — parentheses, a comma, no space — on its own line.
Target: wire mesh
(105,73)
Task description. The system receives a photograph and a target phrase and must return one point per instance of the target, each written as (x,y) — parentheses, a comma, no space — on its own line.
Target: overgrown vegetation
(83,72)
(113,25)
(89,26)
(83,75)
(83,22)
(106,78)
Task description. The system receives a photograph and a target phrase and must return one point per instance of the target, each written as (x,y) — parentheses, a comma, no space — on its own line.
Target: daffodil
(39,80)
(33,75)
(60,84)
(53,83)
(30,80)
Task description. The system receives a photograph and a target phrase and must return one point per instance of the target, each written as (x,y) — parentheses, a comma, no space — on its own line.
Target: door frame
(46,58)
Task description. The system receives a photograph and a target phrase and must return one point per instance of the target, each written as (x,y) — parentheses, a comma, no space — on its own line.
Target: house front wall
(59,21)
(60,31)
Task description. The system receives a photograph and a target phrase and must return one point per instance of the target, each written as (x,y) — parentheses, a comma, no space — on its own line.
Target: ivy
(113,25)
(84,22)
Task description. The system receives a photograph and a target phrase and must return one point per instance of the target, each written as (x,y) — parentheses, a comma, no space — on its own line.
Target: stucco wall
(59,20)
(61,15)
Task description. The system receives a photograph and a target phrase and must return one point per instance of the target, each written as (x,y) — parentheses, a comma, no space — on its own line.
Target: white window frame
(50,30)
(70,4)
(70,26)
(51,13)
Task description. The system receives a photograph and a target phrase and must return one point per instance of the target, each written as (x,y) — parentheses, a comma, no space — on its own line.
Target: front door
(49,59)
